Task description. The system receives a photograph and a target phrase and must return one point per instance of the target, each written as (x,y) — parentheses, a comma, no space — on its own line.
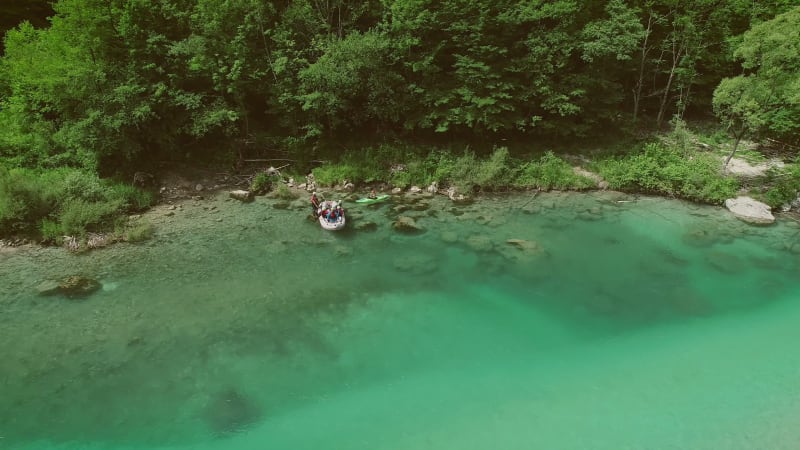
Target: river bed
(569,321)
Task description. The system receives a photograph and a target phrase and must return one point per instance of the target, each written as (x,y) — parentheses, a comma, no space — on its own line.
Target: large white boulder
(750,210)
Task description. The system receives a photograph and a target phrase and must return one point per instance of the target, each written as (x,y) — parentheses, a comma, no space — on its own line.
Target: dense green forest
(109,87)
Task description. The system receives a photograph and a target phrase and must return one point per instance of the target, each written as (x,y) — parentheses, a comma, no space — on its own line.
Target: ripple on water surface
(556,321)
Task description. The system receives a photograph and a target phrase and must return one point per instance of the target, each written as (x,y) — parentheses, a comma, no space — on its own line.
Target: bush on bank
(48,204)
(657,168)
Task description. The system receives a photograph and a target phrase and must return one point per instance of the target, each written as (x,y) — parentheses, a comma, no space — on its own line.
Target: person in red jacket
(314,204)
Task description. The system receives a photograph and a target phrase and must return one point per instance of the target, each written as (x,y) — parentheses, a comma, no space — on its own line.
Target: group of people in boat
(331,211)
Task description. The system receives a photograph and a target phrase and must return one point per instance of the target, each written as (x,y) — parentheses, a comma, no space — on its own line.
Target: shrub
(141,231)
(80,185)
(283,192)
(79,216)
(671,171)
(335,173)
(261,183)
(51,232)
(784,185)
(130,198)
(25,199)
(549,172)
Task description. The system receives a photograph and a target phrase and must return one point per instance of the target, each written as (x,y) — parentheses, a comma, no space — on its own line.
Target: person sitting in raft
(338,211)
(372,194)
(314,204)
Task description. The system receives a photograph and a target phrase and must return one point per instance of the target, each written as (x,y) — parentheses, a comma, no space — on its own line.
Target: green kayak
(377,199)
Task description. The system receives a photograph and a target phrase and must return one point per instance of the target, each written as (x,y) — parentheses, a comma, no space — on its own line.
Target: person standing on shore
(314,204)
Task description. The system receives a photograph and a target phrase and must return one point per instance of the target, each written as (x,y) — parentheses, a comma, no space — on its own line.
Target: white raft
(332,225)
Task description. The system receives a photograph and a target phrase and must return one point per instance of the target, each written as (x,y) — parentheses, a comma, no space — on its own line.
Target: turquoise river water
(614,322)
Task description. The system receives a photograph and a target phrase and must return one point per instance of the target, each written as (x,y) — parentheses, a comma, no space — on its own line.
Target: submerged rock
(449,237)
(416,264)
(480,243)
(230,412)
(521,250)
(366,226)
(725,262)
(47,287)
(75,286)
(408,225)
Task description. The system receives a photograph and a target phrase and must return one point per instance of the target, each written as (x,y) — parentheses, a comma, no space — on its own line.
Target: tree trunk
(678,48)
(738,138)
(637,90)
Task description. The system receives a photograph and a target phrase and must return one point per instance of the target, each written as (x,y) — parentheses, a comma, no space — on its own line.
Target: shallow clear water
(627,323)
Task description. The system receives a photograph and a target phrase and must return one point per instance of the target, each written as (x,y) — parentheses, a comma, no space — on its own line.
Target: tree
(766,99)
(738,103)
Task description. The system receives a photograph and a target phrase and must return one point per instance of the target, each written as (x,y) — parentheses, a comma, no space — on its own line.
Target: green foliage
(131,198)
(783,185)
(660,169)
(25,198)
(766,99)
(111,84)
(468,173)
(78,216)
(366,166)
(550,172)
(51,231)
(261,183)
(283,192)
(618,35)
(138,232)
(63,201)
(335,173)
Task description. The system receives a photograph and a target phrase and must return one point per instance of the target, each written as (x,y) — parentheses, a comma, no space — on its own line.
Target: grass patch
(660,169)
(138,232)
(283,192)
(48,204)
(781,186)
(550,172)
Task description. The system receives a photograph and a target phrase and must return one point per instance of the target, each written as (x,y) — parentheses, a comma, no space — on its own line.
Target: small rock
(241,195)
(414,190)
(397,191)
(169,213)
(198,188)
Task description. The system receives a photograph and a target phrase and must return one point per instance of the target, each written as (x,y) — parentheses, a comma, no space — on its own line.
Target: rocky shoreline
(178,187)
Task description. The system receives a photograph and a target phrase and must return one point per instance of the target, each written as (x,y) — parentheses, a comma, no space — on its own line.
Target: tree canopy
(114,82)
